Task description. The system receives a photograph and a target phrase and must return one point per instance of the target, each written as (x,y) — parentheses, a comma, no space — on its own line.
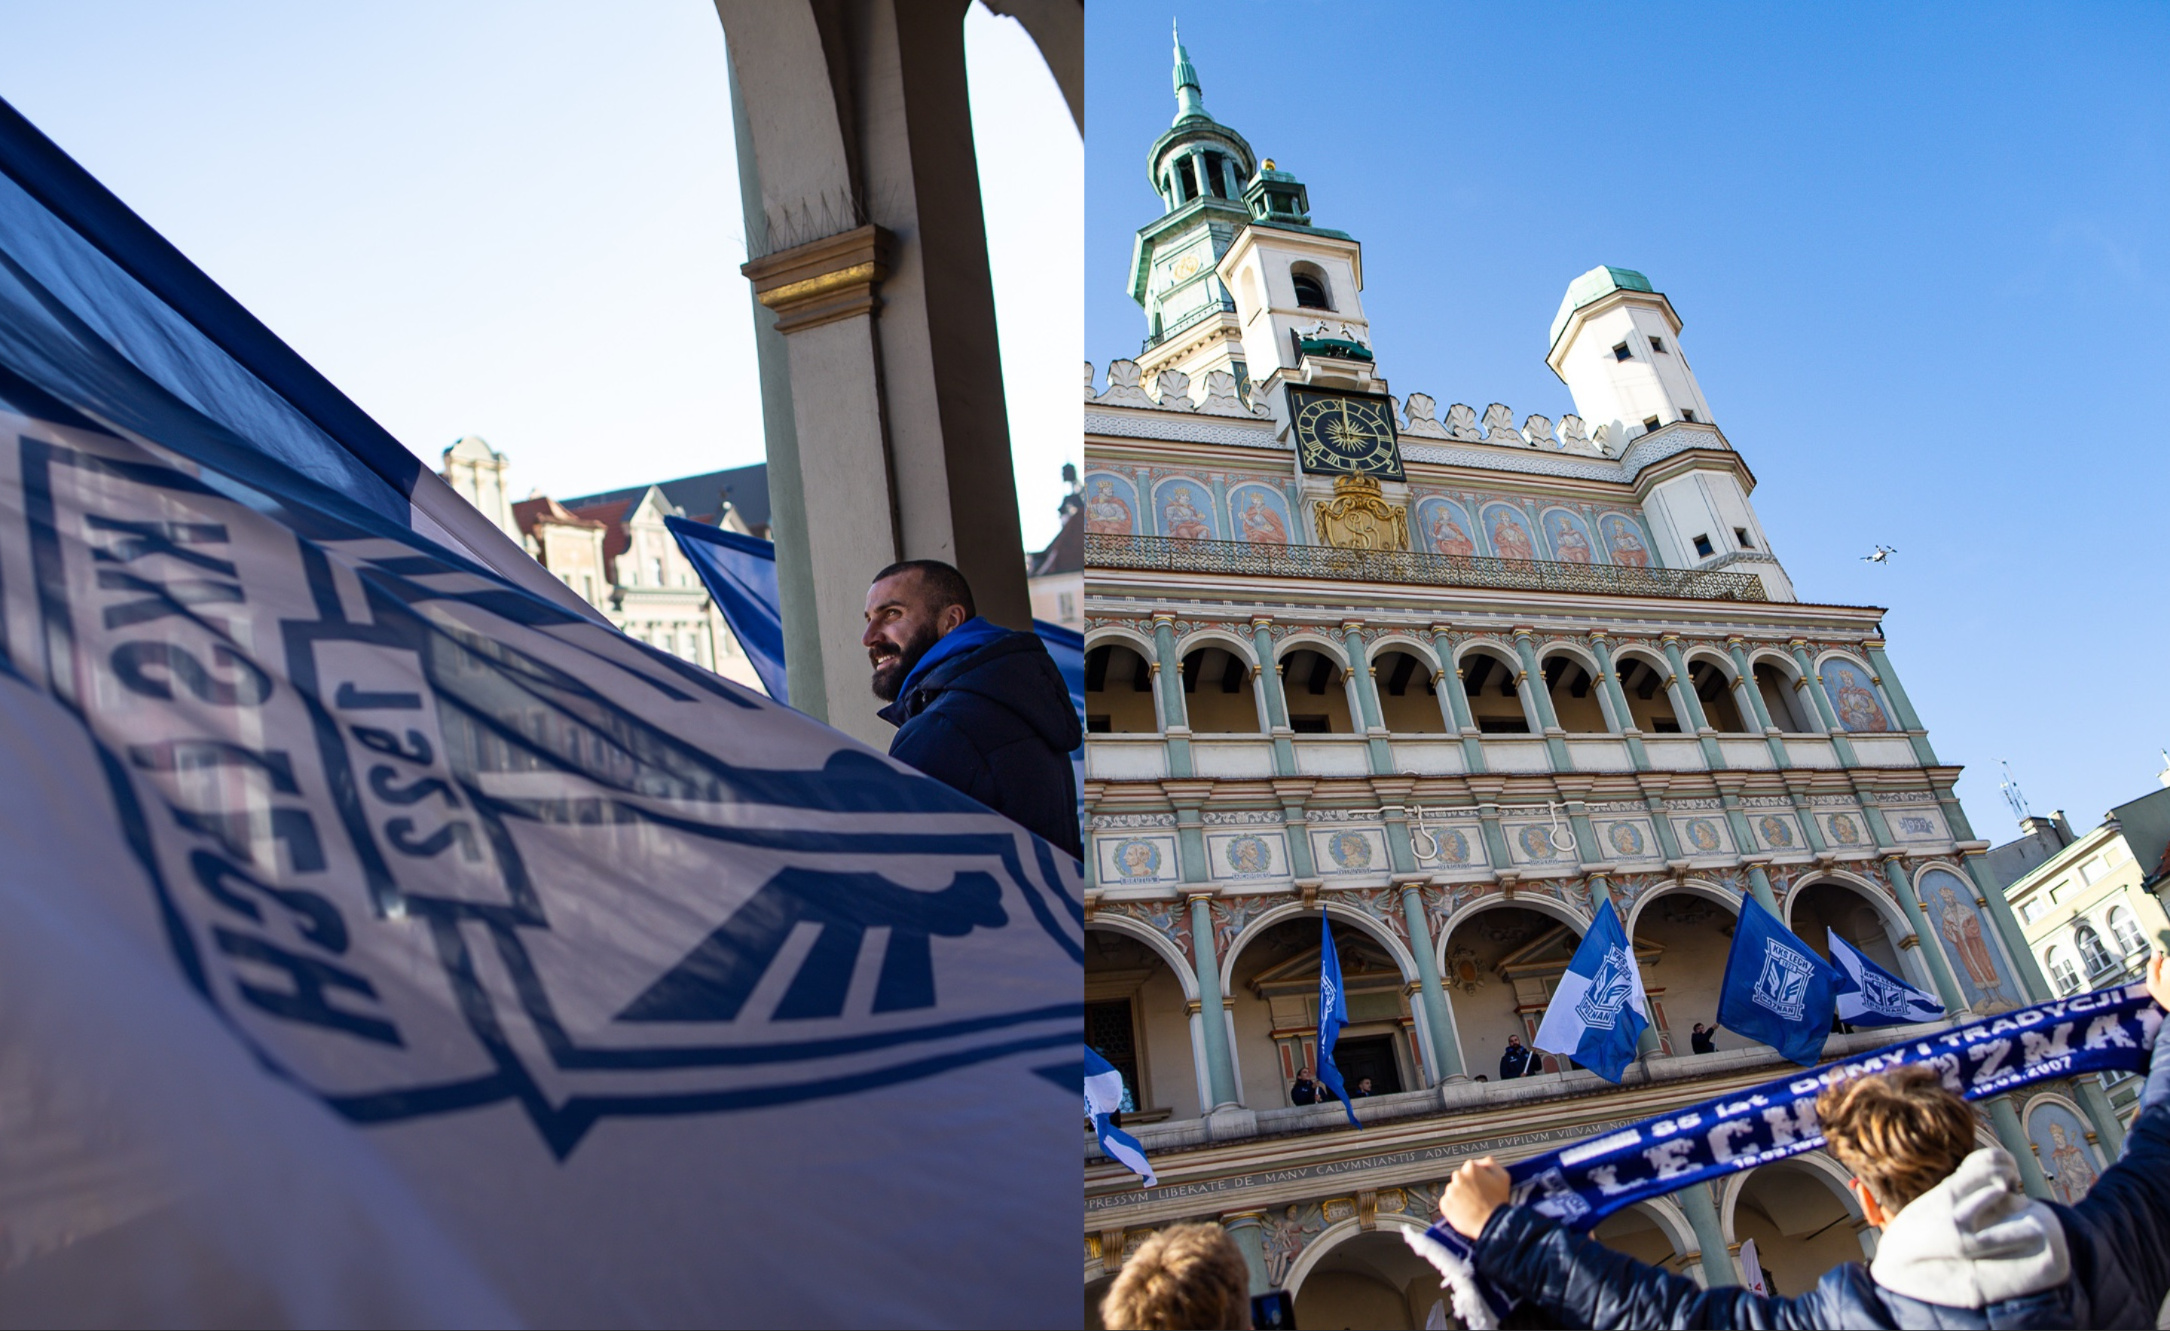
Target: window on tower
(1703,548)
(1621,352)
(1310,287)
(1216,179)
(1186,178)
(1741,534)
(1687,415)
(1657,344)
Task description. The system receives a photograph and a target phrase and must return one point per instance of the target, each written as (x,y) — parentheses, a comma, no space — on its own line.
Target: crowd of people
(1961,1244)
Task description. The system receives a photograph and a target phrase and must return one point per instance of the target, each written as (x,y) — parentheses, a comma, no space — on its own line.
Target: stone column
(1446,1050)
(1759,885)
(1702,1213)
(1947,985)
(1888,679)
(1174,708)
(1737,648)
(1608,679)
(1270,683)
(1367,698)
(1533,679)
(1248,1229)
(2004,1119)
(1212,1024)
(1839,742)
(1455,701)
(1682,688)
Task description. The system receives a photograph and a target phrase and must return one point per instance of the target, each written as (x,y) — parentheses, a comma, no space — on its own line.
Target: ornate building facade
(1453,682)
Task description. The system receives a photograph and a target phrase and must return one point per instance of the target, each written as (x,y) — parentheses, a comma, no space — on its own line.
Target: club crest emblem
(1782,985)
(1880,994)
(1609,991)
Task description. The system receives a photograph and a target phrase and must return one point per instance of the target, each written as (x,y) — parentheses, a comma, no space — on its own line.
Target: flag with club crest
(1869,995)
(1599,1012)
(1776,989)
(387,939)
(1103,1099)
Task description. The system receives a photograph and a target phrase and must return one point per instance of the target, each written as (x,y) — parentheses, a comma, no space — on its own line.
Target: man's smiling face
(901,624)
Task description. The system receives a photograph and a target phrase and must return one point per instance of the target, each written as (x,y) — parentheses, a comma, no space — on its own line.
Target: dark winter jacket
(1972,1252)
(1514,1062)
(995,722)
(1304,1092)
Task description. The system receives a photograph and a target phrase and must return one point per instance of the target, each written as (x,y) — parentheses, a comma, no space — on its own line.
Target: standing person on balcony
(1515,1062)
(1305,1091)
(1704,1040)
(979,708)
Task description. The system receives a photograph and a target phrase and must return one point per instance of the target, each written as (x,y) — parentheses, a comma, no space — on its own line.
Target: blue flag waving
(408,945)
(1869,995)
(1103,1097)
(1333,1015)
(1776,990)
(739,572)
(1599,1012)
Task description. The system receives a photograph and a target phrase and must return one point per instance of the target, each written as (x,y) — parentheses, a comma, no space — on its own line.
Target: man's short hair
(1901,1132)
(943,582)
(1184,1276)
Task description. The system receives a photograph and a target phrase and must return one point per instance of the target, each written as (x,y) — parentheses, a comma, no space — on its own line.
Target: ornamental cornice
(1182,428)
(1242,817)
(1108,822)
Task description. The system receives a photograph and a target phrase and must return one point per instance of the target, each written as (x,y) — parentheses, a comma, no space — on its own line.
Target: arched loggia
(1271,974)
(1692,924)
(1801,1216)
(1862,915)
(1350,1276)
(1138,991)
(1499,961)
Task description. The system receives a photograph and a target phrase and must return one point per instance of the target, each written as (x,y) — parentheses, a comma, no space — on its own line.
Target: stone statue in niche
(1419,419)
(1462,423)
(1539,430)
(1124,378)
(1499,425)
(1174,386)
(1221,398)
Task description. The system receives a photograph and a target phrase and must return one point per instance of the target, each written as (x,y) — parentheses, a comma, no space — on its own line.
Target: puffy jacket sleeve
(1578,1281)
(2127,1212)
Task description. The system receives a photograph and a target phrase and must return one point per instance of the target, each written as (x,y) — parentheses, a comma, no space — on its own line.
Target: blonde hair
(1186,1276)
(1901,1132)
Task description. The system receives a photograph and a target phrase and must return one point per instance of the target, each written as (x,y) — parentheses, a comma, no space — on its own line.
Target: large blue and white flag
(1869,995)
(1333,1015)
(1776,989)
(1599,1012)
(385,939)
(1103,1098)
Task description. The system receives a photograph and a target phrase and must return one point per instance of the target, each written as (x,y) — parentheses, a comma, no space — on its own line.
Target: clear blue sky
(518,220)
(1921,252)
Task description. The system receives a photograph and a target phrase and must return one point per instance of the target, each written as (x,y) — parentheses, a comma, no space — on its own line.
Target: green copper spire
(1190,97)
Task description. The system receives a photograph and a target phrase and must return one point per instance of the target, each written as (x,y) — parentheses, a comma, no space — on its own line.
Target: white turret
(1616,343)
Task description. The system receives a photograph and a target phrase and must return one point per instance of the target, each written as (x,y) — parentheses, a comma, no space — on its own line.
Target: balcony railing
(1165,554)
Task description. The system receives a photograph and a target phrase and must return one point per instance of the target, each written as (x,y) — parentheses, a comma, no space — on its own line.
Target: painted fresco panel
(1703,836)
(1259,514)
(1507,531)
(1247,855)
(1569,537)
(1185,509)
(1532,843)
(1776,831)
(1915,824)
(1444,527)
(1843,830)
(1136,859)
(1624,542)
(1350,850)
(1111,504)
(1459,846)
(1969,944)
(1628,839)
(1853,696)
(2060,1143)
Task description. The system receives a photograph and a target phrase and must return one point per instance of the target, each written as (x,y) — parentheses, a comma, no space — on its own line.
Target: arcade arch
(1119,691)
(1096,1290)
(1801,1216)
(1691,925)
(1500,962)
(1408,698)
(1315,684)
(1271,977)
(1655,1232)
(1780,688)
(1713,685)
(1650,705)
(1863,917)
(1496,704)
(1137,996)
(1351,1276)
(1218,692)
(1571,684)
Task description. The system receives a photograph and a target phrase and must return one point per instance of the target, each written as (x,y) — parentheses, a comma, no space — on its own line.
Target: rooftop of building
(1592,287)
(703,497)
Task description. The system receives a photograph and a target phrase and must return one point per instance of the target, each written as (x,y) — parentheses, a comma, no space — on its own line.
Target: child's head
(1184,1276)
(1900,1132)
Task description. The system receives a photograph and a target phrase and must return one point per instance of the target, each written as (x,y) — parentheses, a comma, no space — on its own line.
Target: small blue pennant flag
(1869,995)
(1776,990)
(739,573)
(1103,1097)
(1598,1013)
(1333,1015)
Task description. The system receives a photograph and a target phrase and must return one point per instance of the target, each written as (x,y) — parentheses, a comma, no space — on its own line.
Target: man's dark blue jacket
(2106,1265)
(992,718)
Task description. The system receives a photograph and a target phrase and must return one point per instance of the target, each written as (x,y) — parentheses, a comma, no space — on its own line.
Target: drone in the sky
(1879,555)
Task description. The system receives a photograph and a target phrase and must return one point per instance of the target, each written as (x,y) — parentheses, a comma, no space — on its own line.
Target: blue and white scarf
(2109,1031)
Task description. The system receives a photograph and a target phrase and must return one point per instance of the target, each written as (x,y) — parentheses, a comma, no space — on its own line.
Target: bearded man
(979,708)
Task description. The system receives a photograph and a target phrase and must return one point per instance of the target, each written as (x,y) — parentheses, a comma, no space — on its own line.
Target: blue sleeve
(1577,1281)
(2127,1213)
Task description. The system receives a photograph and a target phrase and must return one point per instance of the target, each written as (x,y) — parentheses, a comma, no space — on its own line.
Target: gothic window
(2060,970)
(1310,287)
(2092,951)
(2126,931)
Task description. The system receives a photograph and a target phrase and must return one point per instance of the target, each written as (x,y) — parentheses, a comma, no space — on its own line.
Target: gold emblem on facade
(1359,518)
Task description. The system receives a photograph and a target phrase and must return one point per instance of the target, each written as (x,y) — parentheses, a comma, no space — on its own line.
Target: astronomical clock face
(1345,434)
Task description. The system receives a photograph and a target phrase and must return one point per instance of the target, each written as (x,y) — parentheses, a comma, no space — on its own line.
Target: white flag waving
(386,941)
